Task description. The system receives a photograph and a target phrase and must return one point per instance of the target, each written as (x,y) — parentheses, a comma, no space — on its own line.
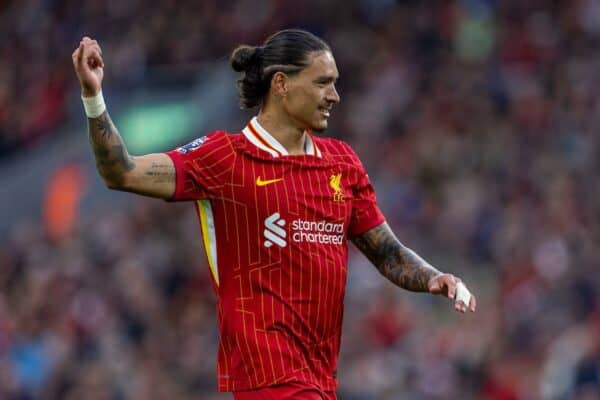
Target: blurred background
(478,122)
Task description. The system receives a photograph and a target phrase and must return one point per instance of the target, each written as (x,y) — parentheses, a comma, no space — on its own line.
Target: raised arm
(405,268)
(150,175)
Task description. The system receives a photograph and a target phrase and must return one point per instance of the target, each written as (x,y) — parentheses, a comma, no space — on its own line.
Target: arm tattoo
(395,261)
(112,158)
(160,173)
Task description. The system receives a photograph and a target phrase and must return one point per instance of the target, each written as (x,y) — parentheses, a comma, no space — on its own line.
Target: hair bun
(243,57)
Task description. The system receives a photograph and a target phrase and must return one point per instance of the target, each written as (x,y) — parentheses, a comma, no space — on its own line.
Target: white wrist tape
(462,294)
(94,106)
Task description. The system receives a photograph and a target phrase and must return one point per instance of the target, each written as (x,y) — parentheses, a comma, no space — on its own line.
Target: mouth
(325,111)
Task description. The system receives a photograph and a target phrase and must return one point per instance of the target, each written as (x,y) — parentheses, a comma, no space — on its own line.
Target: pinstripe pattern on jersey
(279,309)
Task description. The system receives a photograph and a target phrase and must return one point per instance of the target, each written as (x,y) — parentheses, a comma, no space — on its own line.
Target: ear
(280,84)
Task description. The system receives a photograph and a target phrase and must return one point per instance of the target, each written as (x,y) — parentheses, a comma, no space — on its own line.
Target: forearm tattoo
(112,158)
(395,261)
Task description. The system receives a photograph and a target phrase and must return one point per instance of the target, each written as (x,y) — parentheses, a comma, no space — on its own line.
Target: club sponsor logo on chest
(302,231)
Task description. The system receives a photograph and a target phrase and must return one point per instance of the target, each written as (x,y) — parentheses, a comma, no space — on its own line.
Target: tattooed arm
(150,175)
(404,267)
(396,262)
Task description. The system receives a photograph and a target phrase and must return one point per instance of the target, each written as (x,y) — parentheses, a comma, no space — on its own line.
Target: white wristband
(94,106)
(463,294)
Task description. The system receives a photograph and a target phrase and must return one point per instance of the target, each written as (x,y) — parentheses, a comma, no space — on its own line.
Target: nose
(332,95)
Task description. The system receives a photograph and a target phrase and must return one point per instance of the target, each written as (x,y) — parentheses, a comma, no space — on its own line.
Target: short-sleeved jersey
(275,229)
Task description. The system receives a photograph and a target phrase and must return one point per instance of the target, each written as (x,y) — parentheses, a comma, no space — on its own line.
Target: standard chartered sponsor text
(321,232)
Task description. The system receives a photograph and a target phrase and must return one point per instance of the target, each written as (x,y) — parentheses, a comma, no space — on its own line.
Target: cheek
(312,100)
(303,102)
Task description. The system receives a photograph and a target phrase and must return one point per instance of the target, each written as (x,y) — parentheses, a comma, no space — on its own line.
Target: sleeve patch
(191,146)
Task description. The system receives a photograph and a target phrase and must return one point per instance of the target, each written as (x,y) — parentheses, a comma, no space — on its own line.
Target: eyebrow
(327,78)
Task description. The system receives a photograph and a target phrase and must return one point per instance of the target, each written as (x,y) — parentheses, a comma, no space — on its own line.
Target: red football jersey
(275,229)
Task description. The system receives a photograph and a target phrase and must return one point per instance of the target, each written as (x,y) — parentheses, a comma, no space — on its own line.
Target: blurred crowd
(479,124)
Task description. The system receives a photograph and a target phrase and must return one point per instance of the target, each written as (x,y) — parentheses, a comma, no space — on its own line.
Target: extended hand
(89,67)
(445,284)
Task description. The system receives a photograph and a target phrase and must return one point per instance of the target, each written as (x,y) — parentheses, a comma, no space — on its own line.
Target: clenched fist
(89,66)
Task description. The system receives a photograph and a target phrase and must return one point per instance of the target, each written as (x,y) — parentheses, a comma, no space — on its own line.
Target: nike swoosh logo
(260,182)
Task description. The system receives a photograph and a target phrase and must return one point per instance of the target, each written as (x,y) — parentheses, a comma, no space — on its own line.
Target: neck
(285,131)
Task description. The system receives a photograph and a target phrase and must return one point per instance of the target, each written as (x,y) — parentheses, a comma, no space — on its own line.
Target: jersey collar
(258,136)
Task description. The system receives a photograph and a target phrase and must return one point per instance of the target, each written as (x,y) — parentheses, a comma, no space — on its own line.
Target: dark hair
(286,51)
